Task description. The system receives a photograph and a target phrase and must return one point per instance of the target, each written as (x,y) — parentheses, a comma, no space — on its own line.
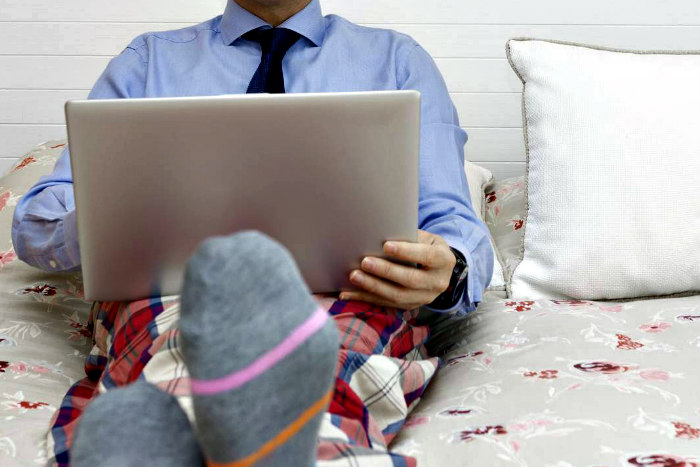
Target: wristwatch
(458,281)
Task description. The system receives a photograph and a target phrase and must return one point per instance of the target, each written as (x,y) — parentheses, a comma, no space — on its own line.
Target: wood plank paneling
(482,109)
(495,144)
(106,10)
(35,106)
(5,165)
(76,38)
(52,51)
(517,11)
(638,12)
(16,140)
(478,75)
(68,72)
(36,72)
(442,41)
(487,41)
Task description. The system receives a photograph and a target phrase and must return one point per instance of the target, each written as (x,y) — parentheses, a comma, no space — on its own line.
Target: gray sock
(136,426)
(261,354)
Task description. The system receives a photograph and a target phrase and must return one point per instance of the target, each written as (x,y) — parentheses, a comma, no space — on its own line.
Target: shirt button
(53,264)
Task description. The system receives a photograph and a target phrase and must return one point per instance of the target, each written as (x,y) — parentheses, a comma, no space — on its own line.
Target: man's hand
(389,284)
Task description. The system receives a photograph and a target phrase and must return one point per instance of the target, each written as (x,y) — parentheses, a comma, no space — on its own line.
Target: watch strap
(450,297)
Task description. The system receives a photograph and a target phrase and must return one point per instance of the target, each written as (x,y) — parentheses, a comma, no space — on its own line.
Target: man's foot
(261,354)
(136,426)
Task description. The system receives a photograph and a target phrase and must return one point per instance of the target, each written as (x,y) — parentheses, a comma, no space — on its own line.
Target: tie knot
(275,41)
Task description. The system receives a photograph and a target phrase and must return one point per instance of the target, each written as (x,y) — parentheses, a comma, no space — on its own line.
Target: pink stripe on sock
(264,363)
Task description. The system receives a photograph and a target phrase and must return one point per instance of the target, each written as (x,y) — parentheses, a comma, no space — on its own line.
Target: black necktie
(275,43)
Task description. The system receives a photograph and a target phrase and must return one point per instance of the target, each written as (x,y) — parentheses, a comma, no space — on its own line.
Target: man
(289,46)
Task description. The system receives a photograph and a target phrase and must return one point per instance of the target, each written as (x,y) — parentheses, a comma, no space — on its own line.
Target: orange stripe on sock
(282,437)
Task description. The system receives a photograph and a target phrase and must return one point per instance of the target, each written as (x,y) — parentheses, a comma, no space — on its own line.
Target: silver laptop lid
(331,176)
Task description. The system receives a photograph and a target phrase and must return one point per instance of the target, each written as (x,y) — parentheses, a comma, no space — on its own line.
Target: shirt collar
(237,21)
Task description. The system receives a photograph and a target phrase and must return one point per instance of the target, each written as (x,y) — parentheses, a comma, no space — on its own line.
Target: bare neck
(274,12)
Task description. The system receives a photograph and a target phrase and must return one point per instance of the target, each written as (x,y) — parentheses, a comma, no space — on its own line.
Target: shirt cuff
(66,258)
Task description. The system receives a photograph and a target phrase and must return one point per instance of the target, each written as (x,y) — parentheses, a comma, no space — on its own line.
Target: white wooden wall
(54,50)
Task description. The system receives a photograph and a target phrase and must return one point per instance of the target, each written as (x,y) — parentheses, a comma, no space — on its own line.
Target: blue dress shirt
(333,55)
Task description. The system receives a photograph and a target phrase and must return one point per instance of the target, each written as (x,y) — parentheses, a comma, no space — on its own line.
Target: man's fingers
(392,293)
(409,277)
(431,256)
(427,238)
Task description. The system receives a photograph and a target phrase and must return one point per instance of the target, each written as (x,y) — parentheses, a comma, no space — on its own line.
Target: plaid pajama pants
(382,374)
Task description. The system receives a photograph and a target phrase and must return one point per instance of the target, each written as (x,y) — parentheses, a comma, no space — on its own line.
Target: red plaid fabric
(382,373)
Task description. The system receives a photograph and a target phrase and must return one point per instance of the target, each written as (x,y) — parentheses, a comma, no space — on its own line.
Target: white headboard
(54,50)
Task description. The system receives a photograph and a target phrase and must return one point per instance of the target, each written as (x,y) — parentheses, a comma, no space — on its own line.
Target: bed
(527,382)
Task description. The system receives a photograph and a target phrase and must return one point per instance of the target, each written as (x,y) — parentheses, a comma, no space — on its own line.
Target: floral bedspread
(564,383)
(43,333)
(531,383)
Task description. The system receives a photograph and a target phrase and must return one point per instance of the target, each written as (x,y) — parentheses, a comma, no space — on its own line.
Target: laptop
(331,176)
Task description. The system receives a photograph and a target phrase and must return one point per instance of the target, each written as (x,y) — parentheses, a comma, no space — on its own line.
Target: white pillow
(477,178)
(613,144)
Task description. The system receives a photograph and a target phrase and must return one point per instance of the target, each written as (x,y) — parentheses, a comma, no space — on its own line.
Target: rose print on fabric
(517,223)
(38,371)
(77,329)
(505,440)
(17,402)
(4,198)
(7,257)
(543,374)
(688,318)
(685,431)
(607,368)
(626,343)
(580,355)
(627,378)
(43,290)
(25,162)
(572,302)
(414,421)
(611,308)
(660,326)
(477,361)
(654,375)
(468,356)
(664,426)
(455,412)
(623,342)
(519,307)
(460,412)
(470,434)
(660,460)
